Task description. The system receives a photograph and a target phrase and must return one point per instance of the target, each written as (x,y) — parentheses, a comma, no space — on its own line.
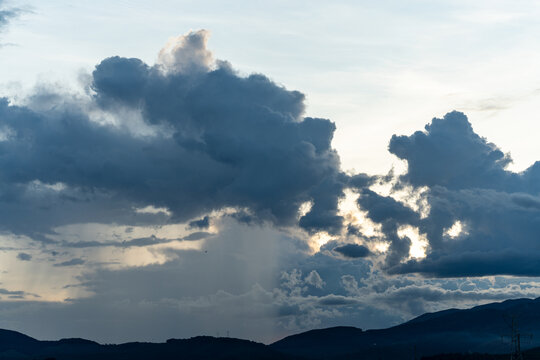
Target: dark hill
(476,330)
(12,340)
(197,348)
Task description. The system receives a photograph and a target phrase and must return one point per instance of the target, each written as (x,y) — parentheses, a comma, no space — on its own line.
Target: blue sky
(176,195)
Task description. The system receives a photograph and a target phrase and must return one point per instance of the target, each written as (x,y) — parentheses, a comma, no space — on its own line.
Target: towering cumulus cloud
(187,134)
(483,219)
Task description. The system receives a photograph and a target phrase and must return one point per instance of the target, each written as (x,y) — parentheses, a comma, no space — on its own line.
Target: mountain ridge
(478,329)
(451,331)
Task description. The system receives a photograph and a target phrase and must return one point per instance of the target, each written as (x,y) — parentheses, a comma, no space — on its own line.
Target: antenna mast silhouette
(515,341)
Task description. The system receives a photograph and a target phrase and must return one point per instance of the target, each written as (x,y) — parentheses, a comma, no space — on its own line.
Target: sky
(257,169)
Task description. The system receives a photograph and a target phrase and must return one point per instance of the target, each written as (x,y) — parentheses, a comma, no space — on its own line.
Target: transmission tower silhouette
(515,340)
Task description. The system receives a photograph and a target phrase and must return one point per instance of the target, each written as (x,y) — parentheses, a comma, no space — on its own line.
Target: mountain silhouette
(450,334)
(477,330)
(14,345)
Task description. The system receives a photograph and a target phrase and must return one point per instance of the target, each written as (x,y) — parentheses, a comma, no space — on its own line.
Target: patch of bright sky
(38,276)
(455,230)
(375,68)
(348,208)
(44,277)
(419,242)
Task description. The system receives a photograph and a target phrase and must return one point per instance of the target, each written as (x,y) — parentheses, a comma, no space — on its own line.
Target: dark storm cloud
(382,209)
(260,153)
(60,169)
(467,182)
(479,263)
(450,154)
(360,181)
(216,140)
(352,250)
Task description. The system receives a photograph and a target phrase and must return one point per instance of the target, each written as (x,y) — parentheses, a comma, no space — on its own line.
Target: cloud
(186,54)
(24,257)
(137,242)
(475,263)
(450,154)
(422,298)
(466,182)
(390,214)
(72,262)
(8,292)
(350,284)
(203,223)
(314,279)
(17,294)
(352,250)
(206,139)
(7,14)
(198,235)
